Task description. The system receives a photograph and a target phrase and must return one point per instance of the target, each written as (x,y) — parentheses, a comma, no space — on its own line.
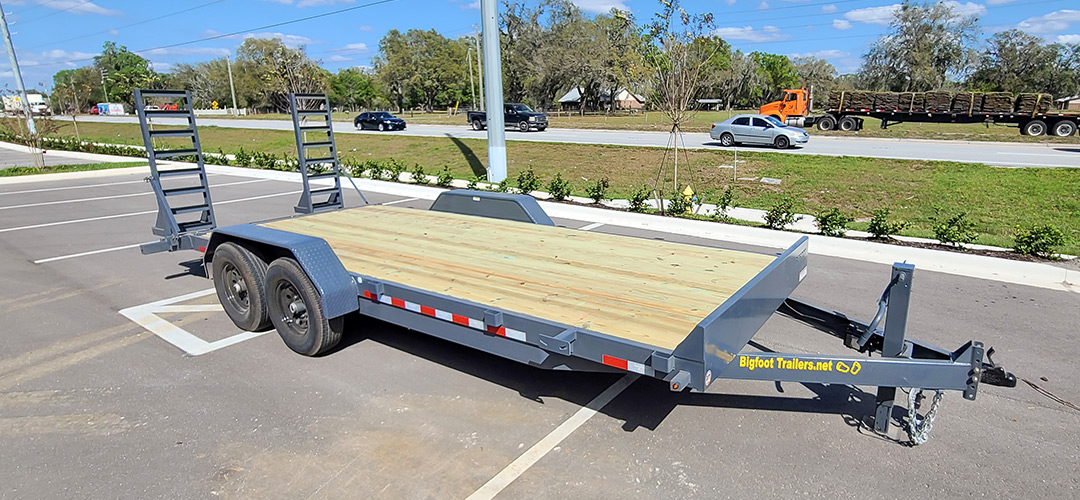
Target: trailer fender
(336,286)
(515,207)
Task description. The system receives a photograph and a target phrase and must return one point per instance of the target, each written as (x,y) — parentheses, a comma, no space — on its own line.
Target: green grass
(18,171)
(995,199)
(702,121)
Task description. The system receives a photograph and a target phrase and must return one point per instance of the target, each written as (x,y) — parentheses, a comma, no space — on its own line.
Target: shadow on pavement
(646,403)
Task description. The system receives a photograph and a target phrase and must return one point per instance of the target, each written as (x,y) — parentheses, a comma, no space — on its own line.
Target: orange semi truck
(794,109)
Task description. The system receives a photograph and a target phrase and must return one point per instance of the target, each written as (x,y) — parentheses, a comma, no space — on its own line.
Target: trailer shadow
(645,404)
(192,268)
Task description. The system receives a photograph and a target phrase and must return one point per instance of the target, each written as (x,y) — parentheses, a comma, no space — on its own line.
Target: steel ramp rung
(312,112)
(183,191)
(164,93)
(194,225)
(324,175)
(330,159)
(315,128)
(323,144)
(167,112)
(187,132)
(324,190)
(172,153)
(179,171)
(190,209)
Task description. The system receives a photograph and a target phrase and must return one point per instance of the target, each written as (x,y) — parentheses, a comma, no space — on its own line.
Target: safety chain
(919,428)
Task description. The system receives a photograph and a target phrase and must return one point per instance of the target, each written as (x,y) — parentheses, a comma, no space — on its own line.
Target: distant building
(1068,103)
(624,99)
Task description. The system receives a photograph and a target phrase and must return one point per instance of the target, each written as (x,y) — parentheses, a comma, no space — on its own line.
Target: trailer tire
(827,123)
(238,280)
(296,310)
(1034,128)
(727,140)
(848,124)
(476,125)
(1064,128)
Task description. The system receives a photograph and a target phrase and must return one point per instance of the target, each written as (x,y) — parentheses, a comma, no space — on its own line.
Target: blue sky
(51,35)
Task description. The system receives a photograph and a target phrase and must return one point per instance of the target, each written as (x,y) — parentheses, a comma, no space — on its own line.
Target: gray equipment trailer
(491,271)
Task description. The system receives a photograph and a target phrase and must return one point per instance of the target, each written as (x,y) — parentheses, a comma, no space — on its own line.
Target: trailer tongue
(492,272)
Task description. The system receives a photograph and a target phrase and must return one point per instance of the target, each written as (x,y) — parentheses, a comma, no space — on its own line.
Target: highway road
(991,153)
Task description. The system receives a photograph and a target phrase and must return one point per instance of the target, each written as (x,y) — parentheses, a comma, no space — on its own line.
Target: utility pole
(479,66)
(39,160)
(496,126)
(472,83)
(232,88)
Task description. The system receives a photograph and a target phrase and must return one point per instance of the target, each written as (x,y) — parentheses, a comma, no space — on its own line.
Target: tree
(777,73)
(925,47)
(124,72)
(78,86)
(280,70)
(815,73)
(421,67)
(351,88)
(1014,61)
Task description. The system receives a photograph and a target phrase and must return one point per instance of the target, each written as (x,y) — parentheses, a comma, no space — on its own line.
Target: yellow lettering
(855,367)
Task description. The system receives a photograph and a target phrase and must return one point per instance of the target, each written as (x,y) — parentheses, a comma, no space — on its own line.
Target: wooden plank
(648,291)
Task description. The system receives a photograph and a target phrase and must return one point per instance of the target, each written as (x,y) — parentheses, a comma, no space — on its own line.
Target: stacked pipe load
(997,102)
(938,101)
(1033,103)
(910,101)
(967,102)
(886,100)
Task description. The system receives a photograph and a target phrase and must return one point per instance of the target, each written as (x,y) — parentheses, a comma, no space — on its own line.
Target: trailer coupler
(994,374)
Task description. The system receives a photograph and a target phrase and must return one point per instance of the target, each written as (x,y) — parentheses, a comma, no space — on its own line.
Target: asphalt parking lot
(94,405)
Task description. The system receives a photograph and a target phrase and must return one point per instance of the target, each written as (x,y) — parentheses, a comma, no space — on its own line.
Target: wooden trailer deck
(648,291)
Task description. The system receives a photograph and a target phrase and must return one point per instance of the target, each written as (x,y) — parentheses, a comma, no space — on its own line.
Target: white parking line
(549,442)
(132,214)
(84,254)
(395,202)
(146,316)
(43,190)
(111,197)
(590,227)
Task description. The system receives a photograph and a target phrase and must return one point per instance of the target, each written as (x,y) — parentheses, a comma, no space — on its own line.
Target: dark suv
(516,115)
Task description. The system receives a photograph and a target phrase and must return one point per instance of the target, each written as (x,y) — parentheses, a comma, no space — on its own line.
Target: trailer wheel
(296,310)
(826,123)
(727,140)
(1033,127)
(476,125)
(238,279)
(848,123)
(1064,128)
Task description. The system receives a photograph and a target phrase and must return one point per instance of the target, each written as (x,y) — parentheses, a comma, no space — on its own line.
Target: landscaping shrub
(392,170)
(833,222)
(503,186)
(955,230)
(446,178)
(559,188)
(638,199)
(242,158)
(419,176)
(598,190)
(723,204)
(677,206)
(782,214)
(1041,241)
(527,181)
(880,226)
(474,183)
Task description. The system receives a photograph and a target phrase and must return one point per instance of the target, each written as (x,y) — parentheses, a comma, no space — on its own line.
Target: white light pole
(496,129)
(232,88)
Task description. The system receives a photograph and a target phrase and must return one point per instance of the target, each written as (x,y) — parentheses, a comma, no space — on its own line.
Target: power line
(80,37)
(32,7)
(227,35)
(23,23)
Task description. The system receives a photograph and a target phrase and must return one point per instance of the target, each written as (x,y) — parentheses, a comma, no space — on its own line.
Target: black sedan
(378,120)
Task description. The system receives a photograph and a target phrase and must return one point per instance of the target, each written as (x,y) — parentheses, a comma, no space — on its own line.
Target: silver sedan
(757,129)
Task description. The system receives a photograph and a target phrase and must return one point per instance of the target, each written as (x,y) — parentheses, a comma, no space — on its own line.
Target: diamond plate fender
(335,284)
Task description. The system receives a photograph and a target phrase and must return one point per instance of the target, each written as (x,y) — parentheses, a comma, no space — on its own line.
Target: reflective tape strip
(623,364)
(473,323)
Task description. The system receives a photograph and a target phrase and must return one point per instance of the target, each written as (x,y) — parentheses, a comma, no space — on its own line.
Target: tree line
(551,46)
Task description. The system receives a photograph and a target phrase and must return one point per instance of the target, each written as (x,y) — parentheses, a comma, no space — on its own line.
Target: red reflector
(397,302)
(613,361)
(430,311)
(202,249)
(461,320)
(368,295)
(497,330)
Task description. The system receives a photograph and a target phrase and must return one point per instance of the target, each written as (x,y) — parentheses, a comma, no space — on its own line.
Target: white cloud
(1068,39)
(841,24)
(161,66)
(763,6)
(290,41)
(63,55)
(822,54)
(599,6)
(874,15)
(1049,23)
(472,5)
(828,9)
(358,48)
(337,58)
(188,51)
(967,8)
(750,34)
(729,2)
(999,2)
(78,7)
(365,28)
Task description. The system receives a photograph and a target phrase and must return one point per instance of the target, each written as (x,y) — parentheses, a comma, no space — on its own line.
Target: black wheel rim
(294,312)
(523,126)
(781,143)
(236,290)
(1035,129)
